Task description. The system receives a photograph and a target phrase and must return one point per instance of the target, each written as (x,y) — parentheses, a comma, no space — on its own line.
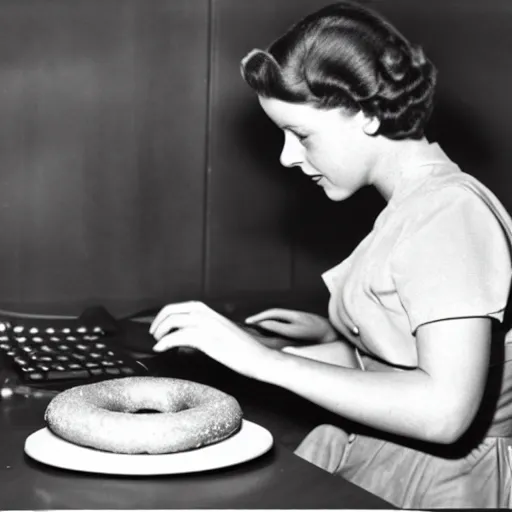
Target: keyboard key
(75,374)
(36,376)
(39,357)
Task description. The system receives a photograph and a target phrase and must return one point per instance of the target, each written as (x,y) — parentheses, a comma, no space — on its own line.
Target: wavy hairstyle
(346,55)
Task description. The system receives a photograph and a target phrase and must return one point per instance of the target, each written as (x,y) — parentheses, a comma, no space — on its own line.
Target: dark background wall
(137,169)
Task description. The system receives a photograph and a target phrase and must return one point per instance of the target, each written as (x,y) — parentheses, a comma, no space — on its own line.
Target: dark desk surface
(277,480)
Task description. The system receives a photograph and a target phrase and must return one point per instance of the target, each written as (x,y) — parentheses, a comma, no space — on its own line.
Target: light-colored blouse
(440,249)
(437,251)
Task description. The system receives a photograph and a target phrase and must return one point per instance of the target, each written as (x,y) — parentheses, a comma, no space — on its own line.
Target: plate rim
(264,438)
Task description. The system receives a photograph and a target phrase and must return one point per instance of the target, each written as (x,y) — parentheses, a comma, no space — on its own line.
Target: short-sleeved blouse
(437,251)
(440,249)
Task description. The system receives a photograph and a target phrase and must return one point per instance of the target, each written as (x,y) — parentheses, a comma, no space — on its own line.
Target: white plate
(249,442)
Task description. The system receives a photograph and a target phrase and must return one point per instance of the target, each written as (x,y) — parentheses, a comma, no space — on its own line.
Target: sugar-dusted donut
(103,415)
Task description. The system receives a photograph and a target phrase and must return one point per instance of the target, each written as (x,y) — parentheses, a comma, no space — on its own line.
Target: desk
(277,480)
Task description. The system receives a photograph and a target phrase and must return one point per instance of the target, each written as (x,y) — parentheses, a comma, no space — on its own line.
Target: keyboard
(49,351)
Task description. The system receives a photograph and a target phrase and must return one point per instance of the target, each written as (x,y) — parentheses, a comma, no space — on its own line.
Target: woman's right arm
(434,402)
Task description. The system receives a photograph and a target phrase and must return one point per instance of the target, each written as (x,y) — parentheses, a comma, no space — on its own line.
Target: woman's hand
(295,324)
(194,324)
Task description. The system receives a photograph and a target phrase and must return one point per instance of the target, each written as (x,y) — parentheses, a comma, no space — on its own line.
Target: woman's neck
(393,158)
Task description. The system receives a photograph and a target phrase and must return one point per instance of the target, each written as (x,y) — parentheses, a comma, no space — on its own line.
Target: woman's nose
(292,152)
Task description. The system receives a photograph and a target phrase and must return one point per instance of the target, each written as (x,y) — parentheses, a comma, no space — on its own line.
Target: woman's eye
(301,137)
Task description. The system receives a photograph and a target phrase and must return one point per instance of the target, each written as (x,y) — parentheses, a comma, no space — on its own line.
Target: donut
(104,415)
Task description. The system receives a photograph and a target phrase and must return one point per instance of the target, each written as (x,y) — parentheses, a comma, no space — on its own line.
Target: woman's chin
(335,194)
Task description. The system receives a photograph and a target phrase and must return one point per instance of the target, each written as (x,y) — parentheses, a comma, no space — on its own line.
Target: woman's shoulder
(454,209)
(451,194)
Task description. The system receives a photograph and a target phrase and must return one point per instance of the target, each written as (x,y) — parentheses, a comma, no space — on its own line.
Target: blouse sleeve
(453,260)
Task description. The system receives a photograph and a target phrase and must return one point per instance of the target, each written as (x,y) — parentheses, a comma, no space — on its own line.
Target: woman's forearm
(401,402)
(339,353)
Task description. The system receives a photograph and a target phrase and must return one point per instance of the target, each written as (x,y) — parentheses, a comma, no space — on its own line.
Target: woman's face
(330,146)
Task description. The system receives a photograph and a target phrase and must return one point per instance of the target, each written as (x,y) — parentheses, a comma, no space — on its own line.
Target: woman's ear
(371,125)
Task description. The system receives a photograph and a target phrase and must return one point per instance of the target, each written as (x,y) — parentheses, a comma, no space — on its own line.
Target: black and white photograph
(256,255)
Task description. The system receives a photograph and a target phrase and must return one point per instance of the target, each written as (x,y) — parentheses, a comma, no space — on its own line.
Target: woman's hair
(345,55)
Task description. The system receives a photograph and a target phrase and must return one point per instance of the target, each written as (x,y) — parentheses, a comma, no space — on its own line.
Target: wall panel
(102,151)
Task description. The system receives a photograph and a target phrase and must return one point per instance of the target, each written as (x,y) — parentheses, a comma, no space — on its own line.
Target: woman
(409,351)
